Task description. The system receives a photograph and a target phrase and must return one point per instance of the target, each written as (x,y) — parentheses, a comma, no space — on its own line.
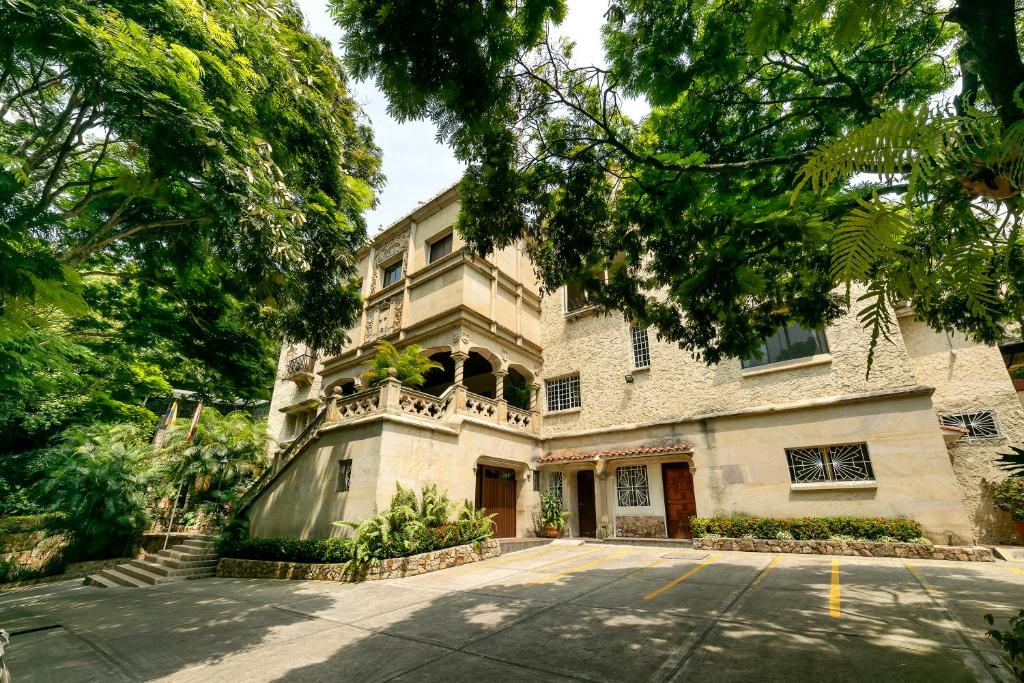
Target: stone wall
(395,568)
(33,550)
(858,548)
(640,526)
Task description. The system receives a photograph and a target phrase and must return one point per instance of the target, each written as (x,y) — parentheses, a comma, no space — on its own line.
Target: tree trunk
(990,28)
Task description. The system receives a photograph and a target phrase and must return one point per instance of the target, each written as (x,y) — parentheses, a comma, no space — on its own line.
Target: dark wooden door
(680,503)
(586,513)
(496,492)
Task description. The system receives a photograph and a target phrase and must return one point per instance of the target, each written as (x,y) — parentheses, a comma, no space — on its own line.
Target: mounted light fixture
(629,378)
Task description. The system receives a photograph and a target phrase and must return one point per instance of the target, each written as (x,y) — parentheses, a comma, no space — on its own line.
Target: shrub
(311,550)
(806,528)
(1012,641)
(1008,496)
(552,510)
(28,523)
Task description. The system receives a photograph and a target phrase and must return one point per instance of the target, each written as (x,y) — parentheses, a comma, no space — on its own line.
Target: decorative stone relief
(384,317)
(400,244)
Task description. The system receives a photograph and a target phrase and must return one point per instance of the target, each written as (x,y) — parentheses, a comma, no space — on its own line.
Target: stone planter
(394,568)
(856,548)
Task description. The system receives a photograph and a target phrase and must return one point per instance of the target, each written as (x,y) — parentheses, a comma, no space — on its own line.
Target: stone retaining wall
(861,548)
(640,526)
(385,569)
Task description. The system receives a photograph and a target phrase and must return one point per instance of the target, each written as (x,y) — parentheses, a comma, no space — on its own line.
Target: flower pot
(551,531)
(1019,523)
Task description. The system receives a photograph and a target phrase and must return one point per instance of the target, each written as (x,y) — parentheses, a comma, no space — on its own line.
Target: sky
(416,165)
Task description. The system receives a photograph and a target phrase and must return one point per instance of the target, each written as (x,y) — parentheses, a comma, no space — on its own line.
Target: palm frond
(864,236)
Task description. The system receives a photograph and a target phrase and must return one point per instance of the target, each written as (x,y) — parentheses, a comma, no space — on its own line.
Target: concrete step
(151,567)
(140,574)
(179,552)
(655,542)
(173,563)
(99,581)
(203,569)
(121,578)
(200,545)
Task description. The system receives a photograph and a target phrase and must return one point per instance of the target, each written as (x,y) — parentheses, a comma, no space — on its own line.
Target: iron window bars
(563,393)
(631,486)
(555,484)
(842,462)
(980,424)
(641,347)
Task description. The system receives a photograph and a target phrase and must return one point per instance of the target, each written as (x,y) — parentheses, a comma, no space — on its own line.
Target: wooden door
(496,492)
(680,503)
(586,512)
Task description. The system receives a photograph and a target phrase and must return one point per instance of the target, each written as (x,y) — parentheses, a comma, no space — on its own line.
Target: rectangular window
(576,298)
(789,343)
(843,462)
(440,248)
(980,424)
(392,274)
(344,475)
(563,393)
(555,484)
(641,347)
(631,485)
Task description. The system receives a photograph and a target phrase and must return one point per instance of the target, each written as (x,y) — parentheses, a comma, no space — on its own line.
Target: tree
(209,146)
(738,203)
(410,364)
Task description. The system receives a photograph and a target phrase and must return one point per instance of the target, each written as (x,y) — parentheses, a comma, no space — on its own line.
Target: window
(344,475)
(631,485)
(555,484)
(440,248)
(844,462)
(788,343)
(563,393)
(392,274)
(641,347)
(576,298)
(980,424)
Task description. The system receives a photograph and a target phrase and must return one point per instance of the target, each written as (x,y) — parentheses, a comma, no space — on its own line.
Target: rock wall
(33,550)
(860,548)
(640,526)
(394,568)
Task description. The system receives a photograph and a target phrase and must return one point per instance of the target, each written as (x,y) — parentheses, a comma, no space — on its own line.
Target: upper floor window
(563,393)
(980,424)
(844,462)
(631,486)
(788,343)
(344,475)
(576,297)
(641,347)
(392,274)
(440,248)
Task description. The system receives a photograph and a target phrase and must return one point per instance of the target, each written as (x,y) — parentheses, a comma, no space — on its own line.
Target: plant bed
(917,551)
(393,568)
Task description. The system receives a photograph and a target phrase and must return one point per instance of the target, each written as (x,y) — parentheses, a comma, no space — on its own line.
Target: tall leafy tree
(797,154)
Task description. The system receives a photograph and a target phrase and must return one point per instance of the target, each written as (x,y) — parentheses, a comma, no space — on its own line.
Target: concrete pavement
(590,612)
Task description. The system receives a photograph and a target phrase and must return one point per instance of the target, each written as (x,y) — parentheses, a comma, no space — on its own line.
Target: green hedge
(310,550)
(806,528)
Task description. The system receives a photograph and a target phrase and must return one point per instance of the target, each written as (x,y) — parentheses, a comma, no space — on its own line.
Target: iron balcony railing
(303,363)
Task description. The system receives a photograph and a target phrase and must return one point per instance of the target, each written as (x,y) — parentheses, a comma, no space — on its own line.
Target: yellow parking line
(569,570)
(1016,569)
(764,572)
(833,596)
(919,576)
(501,561)
(566,559)
(679,579)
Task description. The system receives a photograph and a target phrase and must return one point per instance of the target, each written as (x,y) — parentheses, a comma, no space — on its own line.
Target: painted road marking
(920,577)
(679,579)
(574,556)
(501,561)
(764,572)
(569,570)
(1016,569)
(833,596)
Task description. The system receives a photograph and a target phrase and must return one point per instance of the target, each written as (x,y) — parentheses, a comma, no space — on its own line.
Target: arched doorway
(477,374)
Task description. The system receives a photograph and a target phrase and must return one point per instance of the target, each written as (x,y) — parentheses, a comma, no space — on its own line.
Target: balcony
(300,369)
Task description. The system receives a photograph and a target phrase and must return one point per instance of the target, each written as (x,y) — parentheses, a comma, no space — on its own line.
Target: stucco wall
(968,376)
(287,393)
(599,348)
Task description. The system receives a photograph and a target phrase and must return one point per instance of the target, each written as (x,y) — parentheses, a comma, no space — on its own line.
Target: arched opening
(347,385)
(517,389)
(477,374)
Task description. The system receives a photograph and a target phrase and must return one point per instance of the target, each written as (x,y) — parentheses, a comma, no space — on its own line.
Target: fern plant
(409,364)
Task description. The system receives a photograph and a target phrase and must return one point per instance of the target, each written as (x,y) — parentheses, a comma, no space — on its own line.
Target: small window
(576,298)
(641,347)
(631,485)
(980,424)
(844,462)
(344,475)
(563,393)
(392,274)
(536,482)
(555,484)
(440,248)
(789,343)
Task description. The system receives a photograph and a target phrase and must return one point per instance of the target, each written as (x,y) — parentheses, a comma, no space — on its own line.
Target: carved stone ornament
(400,244)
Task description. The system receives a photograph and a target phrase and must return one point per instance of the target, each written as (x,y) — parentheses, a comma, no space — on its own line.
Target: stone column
(391,392)
(460,359)
(534,397)
(604,527)
(499,395)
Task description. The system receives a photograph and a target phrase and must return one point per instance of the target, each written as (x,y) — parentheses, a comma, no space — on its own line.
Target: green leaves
(410,364)
(864,236)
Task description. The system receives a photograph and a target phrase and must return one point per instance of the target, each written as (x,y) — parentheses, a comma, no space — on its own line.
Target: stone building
(540,393)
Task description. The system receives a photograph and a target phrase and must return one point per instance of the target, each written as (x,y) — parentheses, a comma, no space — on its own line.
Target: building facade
(539,393)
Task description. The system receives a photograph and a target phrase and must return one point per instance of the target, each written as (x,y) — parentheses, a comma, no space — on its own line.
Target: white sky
(417,167)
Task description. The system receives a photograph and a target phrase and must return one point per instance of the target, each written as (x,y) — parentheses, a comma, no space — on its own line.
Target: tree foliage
(739,202)
(410,364)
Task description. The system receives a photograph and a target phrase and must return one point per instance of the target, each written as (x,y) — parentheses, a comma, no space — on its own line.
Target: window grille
(563,393)
(641,347)
(344,475)
(980,424)
(843,462)
(440,248)
(631,486)
(392,274)
(788,343)
(555,484)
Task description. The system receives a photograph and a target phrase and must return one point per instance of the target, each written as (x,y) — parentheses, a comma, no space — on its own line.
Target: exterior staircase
(193,559)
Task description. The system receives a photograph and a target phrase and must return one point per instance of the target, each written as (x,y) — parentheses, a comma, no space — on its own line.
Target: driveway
(557,612)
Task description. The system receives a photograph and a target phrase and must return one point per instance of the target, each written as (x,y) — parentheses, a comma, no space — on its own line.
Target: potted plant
(552,514)
(1008,496)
